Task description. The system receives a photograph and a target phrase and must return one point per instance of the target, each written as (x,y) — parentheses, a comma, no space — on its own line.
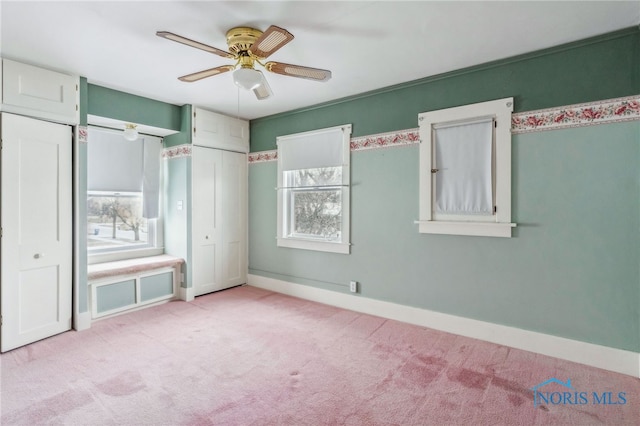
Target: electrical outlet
(353,286)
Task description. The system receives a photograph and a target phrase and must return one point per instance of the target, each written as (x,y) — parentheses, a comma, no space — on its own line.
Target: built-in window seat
(120,286)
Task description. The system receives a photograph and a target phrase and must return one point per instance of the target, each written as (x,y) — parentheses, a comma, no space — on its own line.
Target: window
(313,190)
(123,189)
(465,170)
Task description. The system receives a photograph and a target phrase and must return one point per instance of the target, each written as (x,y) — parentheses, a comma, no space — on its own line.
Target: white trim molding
(612,359)
(494,220)
(82,321)
(478,229)
(186,293)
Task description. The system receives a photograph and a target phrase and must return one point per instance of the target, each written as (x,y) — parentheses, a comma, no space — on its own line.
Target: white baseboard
(618,360)
(187,294)
(82,321)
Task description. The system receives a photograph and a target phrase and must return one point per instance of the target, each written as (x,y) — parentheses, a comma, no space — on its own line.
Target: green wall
(177,236)
(177,223)
(604,67)
(110,103)
(572,268)
(184,134)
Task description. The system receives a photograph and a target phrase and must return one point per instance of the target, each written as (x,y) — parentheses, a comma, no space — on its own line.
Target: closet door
(206,216)
(36,218)
(234,208)
(39,92)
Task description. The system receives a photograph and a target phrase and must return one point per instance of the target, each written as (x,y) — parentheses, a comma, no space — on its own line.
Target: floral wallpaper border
(587,114)
(361,143)
(83,134)
(385,140)
(578,115)
(263,156)
(177,152)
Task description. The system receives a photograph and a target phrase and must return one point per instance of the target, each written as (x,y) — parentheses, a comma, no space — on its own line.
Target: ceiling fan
(248,46)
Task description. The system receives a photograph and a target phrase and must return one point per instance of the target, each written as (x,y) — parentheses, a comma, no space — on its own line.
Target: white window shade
(310,151)
(463,161)
(151,177)
(117,165)
(114,164)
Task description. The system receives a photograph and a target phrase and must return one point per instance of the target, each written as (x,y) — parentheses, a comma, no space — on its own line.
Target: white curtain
(463,159)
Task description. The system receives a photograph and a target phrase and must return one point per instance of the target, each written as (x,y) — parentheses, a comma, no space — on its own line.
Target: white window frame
(283,212)
(499,223)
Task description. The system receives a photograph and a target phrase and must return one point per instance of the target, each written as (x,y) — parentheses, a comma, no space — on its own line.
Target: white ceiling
(366,44)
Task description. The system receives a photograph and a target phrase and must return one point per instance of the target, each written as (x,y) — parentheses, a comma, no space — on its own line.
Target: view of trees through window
(115,221)
(316,202)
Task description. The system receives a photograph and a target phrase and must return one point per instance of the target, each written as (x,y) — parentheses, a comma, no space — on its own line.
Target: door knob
(38,255)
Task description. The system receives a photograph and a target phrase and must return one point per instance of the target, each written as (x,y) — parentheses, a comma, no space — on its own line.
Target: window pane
(116,222)
(313,190)
(316,214)
(314,177)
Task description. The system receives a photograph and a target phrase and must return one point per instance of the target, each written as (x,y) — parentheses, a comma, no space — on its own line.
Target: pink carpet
(247,356)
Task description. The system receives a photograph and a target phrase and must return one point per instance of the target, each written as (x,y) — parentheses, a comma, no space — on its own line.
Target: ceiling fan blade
(270,41)
(263,91)
(298,71)
(190,78)
(196,44)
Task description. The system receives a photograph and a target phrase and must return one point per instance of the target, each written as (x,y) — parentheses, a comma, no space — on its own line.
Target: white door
(36,219)
(219,131)
(234,207)
(51,95)
(206,166)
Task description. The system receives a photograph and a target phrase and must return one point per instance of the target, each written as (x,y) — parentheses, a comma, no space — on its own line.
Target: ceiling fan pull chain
(238,113)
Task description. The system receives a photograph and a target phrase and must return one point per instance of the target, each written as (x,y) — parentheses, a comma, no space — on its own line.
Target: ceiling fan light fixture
(130,132)
(247,78)
(263,91)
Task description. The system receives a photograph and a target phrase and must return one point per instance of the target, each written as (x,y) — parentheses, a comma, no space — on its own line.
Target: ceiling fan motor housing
(240,39)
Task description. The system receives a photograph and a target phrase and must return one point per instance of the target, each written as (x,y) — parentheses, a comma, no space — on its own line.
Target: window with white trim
(123,195)
(313,190)
(465,170)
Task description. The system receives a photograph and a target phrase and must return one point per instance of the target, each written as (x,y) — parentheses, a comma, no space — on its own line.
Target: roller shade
(117,165)
(151,177)
(114,164)
(309,151)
